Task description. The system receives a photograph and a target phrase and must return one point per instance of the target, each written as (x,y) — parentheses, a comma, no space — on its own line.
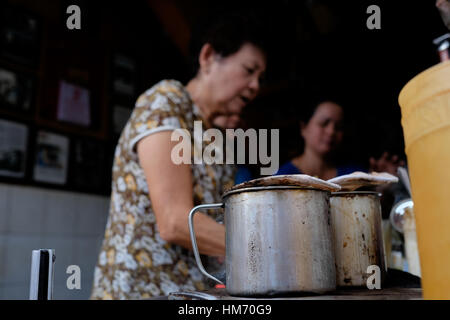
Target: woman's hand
(386,163)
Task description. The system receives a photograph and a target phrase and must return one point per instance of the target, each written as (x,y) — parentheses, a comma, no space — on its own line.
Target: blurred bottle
(410,236)
(396,260)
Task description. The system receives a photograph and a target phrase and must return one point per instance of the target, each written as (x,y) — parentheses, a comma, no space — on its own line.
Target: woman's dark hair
(314,100)
(227,32)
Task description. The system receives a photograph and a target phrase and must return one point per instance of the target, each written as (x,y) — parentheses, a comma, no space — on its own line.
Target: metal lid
(444,46)
(358,179)
(290,180)
(441,39)
(265,188)
(361,192)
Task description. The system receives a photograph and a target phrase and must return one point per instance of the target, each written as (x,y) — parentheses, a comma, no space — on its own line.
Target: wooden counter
(340,294)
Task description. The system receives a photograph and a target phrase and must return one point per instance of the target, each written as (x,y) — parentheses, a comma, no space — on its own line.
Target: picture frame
(16,91)
(124,77)
(74,104)
(51,158)
(19,35)
(13,149)
(87,165)
(120,116)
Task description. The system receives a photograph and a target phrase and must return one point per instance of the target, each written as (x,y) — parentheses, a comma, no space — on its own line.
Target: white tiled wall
(32,218)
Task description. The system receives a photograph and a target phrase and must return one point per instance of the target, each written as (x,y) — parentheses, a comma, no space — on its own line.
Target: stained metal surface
(264,188)
(278,240)
(358,239)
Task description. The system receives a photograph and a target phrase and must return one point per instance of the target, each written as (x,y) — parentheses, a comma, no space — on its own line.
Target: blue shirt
(290,168)
(243,174)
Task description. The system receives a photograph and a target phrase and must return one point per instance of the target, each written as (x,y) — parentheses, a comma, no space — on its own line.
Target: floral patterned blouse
(134,262)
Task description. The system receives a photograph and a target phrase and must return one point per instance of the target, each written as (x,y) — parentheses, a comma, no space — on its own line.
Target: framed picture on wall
(73,104)
(121,115)
(124,76)
(51,158)
(16,90)
(19,35)
(13,149)
(87,165)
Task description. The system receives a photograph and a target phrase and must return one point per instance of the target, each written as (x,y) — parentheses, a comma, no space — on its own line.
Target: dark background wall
(333,51)
(318,45)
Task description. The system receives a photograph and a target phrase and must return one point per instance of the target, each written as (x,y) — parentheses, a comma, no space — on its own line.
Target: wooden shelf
(67,128)
(340,294)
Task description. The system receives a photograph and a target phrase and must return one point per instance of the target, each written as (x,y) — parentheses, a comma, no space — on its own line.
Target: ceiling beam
(174,22)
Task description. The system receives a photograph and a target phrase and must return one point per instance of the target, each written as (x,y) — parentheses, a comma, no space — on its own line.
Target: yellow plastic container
(425,105)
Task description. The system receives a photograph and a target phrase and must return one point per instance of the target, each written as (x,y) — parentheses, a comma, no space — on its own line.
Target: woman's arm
(170,191)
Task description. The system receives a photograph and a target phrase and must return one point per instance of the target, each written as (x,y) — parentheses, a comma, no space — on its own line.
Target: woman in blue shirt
(322,133)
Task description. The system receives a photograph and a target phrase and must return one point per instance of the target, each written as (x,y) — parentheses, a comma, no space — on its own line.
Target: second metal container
(358,236)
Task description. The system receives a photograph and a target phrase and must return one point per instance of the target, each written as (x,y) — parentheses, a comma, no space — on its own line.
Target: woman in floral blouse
(146,249)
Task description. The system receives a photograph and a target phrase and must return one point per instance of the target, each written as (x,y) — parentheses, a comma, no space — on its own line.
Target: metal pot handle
(194,240)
